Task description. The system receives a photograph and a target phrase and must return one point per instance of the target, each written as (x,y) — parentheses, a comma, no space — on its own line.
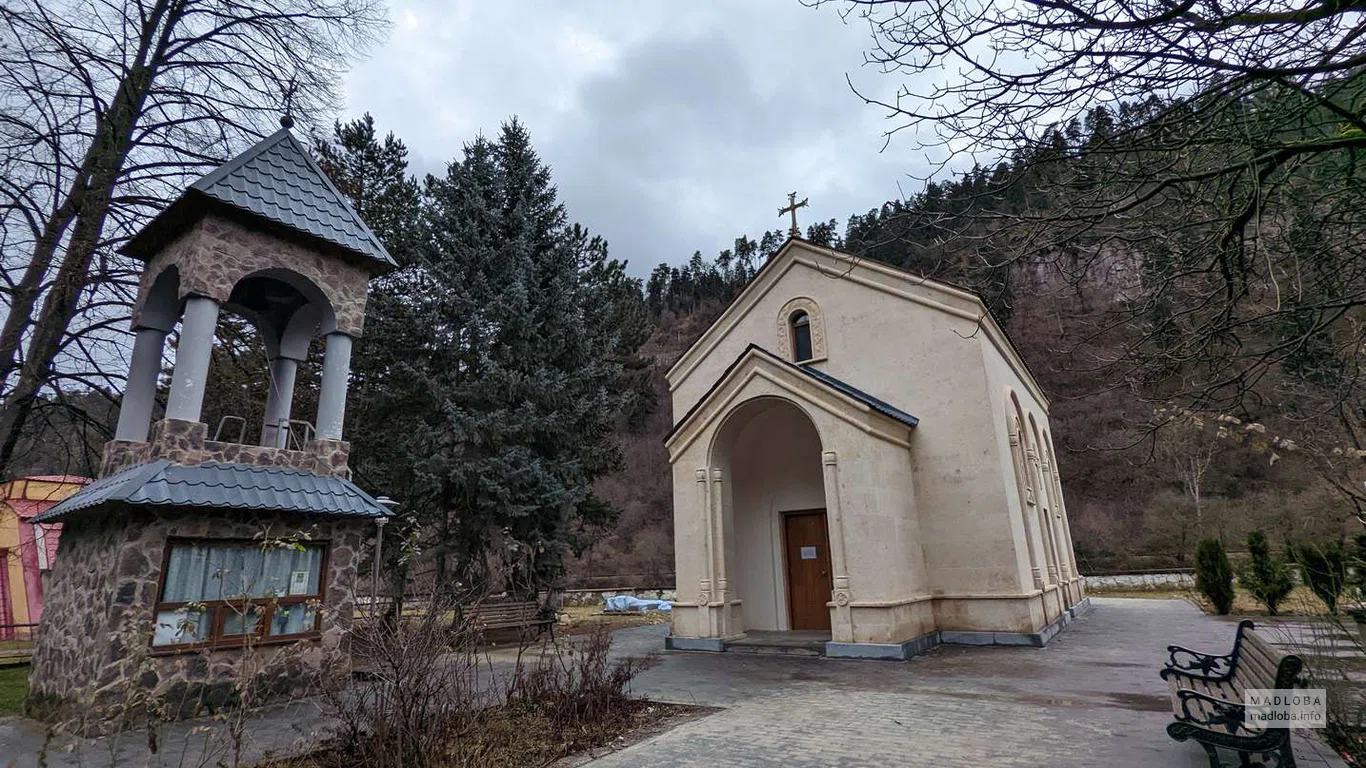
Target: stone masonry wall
(183,442)
(93,665)
(216,253)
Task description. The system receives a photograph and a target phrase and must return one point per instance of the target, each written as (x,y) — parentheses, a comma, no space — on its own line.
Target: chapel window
(801,337)
(226,593)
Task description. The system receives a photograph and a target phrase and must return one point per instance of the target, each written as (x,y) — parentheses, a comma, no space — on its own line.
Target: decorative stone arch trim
(1021,453)
(216,253)
(817,324)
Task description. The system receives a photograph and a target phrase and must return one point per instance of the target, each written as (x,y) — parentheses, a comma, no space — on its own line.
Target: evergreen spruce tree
(1213,575)
(510,377)
(1324,567)
(1265,576)
(373,174)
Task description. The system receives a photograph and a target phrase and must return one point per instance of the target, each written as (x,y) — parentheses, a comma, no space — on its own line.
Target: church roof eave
(842,399)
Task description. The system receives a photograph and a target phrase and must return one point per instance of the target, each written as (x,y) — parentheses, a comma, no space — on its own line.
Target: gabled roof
(946,297)
(277,181)
(841,391)
(222,486)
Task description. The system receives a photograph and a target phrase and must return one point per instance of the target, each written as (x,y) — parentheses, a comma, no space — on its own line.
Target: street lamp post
(380,522)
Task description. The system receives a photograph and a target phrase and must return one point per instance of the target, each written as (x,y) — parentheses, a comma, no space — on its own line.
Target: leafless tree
(108,108)
(1214,146)
(1187,449)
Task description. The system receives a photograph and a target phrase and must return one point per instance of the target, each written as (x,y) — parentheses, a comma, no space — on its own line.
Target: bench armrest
(1196,664)
(1220,713)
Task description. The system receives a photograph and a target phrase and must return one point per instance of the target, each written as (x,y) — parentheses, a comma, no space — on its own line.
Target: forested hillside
(1201,353)
(1093,312)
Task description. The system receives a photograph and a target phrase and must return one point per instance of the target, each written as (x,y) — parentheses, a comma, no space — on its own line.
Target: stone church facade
(807,496)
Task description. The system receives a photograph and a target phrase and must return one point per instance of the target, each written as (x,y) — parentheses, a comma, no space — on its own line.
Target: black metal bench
(1207,697)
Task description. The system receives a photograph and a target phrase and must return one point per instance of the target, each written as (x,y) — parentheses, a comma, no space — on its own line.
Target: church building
(861,457)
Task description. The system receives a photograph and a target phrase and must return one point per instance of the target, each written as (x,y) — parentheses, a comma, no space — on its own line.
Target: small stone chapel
(196,558)
(860,456)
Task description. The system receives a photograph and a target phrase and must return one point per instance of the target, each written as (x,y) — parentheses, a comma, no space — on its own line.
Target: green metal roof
(216,485)
(276,180)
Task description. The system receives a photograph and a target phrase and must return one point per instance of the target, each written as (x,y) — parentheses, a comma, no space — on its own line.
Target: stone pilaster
(842,622)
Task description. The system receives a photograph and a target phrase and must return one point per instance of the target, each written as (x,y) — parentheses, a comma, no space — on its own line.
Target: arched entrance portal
(776,542)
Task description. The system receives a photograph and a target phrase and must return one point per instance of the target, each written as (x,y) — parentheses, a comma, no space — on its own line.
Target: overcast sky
(670,127)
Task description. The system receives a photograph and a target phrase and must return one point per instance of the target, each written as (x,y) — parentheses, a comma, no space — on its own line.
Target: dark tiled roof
(880,406)
(222,486)
(277,180)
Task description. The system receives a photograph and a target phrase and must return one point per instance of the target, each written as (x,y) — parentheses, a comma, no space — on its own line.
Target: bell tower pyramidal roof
(278,184)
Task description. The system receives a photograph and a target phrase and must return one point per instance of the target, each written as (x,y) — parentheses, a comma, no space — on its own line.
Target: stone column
(842,623)
(1065,527)
(704,580)
(1055,508)
(279,402)
(1033,542)
(332,393)
(718,517)
(1041,508)
(197,331)
(139,396)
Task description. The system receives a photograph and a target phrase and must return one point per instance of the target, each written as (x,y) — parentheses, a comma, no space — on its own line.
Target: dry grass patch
(1301,601)
(585,619)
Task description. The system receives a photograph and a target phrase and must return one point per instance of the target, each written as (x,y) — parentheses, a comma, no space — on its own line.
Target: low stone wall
(94,667)
(1140,581)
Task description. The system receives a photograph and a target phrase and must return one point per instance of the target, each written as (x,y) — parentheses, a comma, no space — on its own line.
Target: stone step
(776,650)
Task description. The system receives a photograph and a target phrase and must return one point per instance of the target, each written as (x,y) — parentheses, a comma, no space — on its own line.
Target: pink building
(28,549)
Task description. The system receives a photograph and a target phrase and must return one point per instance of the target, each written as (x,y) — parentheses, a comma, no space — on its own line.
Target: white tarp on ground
(632,604)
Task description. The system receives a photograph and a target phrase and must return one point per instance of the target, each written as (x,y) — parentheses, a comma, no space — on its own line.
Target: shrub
(420,677)
(1325,570)
(1213,575)
(433,699)
(1265,576)
(1356,579)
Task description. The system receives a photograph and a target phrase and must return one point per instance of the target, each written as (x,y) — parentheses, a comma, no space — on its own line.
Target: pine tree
(373,174)
(1265,576)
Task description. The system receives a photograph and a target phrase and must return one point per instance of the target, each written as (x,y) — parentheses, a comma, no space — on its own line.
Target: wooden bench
(1207,697)
(527,617)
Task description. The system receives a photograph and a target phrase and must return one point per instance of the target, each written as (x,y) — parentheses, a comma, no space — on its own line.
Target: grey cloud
(667,132)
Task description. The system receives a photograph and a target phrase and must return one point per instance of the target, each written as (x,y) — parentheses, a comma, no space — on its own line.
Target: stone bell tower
(173,556)
(265,236)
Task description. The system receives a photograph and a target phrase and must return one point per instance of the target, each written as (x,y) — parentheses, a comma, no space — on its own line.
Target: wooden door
(806,549)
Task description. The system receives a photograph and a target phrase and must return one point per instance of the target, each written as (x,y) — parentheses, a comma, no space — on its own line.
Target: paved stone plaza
(1092,697)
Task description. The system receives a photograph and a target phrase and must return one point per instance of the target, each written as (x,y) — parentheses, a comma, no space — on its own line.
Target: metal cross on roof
(792,206)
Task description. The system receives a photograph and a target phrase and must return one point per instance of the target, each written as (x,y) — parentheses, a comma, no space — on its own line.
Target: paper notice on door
(808,553)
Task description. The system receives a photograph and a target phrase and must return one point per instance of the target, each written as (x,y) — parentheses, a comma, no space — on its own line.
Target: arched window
(800,331)
(801,336)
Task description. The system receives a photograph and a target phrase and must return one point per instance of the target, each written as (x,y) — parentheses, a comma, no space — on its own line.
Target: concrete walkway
(1092,697)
